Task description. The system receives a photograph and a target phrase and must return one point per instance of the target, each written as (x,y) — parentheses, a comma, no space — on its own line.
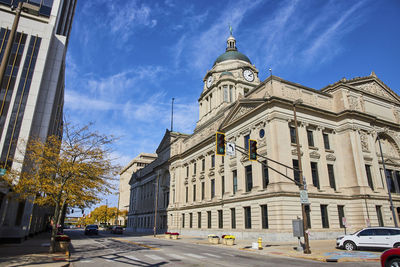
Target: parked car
(92,229)
(391,258)
(372,237)
(117,230)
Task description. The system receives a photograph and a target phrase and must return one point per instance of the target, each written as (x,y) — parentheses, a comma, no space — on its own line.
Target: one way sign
(230,149)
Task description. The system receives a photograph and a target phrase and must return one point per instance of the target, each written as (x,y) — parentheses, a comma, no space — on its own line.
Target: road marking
(177,256)
(109,256)
(194,256)
(130,257)
(86,261)
(154,257)
(211,255)
(134,243)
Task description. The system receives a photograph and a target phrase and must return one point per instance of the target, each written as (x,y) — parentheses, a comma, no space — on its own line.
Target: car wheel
(349,246)
(393,263)
(397,245)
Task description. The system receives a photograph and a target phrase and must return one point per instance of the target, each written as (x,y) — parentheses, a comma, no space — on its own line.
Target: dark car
(117,230)
(391,258)
(92,229)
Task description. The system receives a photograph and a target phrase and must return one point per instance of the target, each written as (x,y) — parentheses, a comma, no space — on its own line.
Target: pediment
(240,110)
(376,88)
(315,155)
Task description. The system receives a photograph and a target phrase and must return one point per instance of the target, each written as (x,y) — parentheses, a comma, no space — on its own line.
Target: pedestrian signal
(252,149)
(220,144)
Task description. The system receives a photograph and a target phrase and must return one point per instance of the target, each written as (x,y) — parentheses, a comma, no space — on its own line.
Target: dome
(232,55)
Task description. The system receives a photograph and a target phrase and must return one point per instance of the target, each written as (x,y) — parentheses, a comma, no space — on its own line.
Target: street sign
(231,149)
(303,197)
(2,172)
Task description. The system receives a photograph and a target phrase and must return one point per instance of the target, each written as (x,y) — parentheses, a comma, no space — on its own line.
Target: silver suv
(372,237)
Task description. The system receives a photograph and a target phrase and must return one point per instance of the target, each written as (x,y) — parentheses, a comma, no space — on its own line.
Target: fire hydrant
(260,243)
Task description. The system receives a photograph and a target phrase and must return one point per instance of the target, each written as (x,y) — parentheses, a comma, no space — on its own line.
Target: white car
(372,237)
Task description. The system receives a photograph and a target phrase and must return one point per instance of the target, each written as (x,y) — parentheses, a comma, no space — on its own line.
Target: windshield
(92,226)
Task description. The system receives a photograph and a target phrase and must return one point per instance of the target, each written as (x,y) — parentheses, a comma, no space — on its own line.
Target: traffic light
(252,149)
(220,144)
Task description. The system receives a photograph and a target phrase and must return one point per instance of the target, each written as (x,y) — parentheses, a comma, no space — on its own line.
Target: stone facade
(338,130)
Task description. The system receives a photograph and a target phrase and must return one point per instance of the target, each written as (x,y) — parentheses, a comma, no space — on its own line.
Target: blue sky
(127,59)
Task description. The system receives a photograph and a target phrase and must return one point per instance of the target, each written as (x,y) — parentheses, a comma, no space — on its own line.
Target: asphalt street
(122,250)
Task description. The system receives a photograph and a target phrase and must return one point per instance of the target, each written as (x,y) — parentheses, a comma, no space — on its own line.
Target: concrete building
(32,97)
(339,126)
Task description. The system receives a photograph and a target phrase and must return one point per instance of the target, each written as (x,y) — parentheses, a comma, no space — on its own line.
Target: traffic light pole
(303,184)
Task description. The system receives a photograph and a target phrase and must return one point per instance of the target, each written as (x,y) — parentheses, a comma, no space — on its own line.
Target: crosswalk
(152,258)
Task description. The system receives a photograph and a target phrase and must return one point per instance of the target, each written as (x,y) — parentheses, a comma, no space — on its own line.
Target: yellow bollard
(260,243)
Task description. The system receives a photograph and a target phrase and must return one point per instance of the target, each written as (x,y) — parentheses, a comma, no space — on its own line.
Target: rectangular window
(369,176)
(264,216)
(341,215)
(249,178)
(203,164)
(209,219)
(314,174)
(223,185)
(247,217)
(296,174)
(233,218)
(20,212)
(292,135)
(379,215)
(390,181)
(246,141)
(194,193)
(397,181)
(212,161)
(308,215)
(187,171)
(220,219)
(310,138)
(331,175)
(226,93)
(234,175)
(187,194)
(183,220)
(198,219)
(324,216)
(326,141)
(202,190)
(194,168)
(190,220)
(212,188)
(265,174)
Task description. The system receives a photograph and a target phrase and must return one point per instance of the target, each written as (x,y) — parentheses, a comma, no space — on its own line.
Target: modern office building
(31,96)
(341,128)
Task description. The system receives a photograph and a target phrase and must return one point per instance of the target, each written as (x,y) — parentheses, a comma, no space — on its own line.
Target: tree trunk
(54,227)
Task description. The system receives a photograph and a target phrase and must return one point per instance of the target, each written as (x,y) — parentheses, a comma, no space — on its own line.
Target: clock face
(209,81)
(248,75)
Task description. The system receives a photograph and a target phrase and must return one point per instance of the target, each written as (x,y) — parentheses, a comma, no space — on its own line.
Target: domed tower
(231,75)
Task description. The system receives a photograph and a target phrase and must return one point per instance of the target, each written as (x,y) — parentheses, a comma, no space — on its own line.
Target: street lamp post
(303,184)
(22,6)
(388,182)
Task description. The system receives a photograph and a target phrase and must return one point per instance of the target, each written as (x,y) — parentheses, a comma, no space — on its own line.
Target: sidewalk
(32,252)
(321,250)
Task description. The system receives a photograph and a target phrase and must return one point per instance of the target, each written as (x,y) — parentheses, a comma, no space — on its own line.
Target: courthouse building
(31,97)
(339,126)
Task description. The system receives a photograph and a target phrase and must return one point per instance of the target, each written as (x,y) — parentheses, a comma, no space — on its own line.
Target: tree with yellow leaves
(74,171)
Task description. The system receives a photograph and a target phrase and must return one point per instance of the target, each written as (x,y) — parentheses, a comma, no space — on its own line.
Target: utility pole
(303,184)
(106,211)
(388,182)
(156,206)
